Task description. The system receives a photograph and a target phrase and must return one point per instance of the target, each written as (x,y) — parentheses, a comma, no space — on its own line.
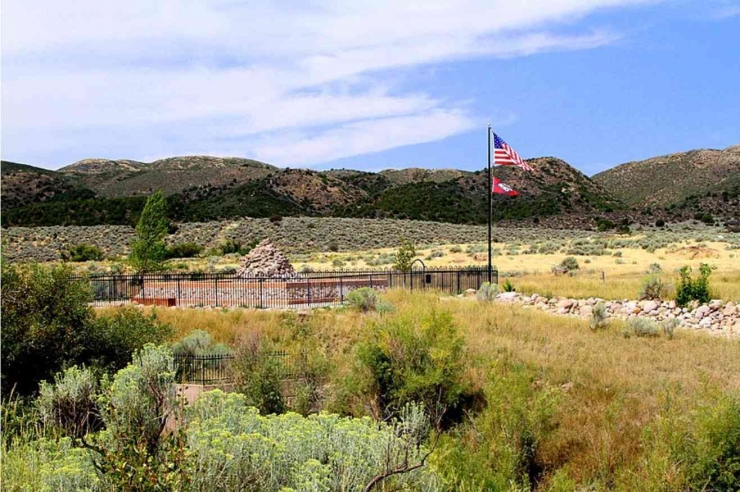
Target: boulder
(507,296)
(649,306)
(565,303)
(729,310)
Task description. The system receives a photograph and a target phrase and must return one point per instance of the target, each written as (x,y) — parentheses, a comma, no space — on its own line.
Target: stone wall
(716,317)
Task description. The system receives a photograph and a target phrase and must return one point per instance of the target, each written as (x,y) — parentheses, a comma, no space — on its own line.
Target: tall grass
(610,390)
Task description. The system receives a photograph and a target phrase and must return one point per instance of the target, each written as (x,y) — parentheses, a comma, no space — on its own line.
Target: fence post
(215,288)
(261,301)
(458,282)
(308,291)
(178,302)
(341,291)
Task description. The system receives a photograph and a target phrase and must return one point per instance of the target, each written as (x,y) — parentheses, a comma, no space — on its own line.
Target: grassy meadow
(618,406)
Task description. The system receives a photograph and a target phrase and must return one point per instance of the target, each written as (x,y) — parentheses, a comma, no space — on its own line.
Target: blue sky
(319,84)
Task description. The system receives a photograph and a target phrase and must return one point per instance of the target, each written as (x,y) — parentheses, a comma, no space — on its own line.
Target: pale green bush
(69,403)
(234,448)
(487,292)
(598,316)
(363,299)
(641,327)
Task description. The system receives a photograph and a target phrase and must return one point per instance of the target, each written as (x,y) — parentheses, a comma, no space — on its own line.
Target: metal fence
(217,368)
(311,289)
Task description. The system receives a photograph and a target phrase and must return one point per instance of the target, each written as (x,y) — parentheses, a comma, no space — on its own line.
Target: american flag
(504,155)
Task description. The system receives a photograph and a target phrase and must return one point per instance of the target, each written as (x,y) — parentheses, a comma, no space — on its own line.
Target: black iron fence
(217,368)
(311,289)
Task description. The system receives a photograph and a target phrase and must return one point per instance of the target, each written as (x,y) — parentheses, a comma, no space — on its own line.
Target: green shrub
(693,289)
(569,264)
(184,250)
(654,268)
(333,246)
(199,342)
(364,299)
(487,292)
(456,249)
(232,447)
(408,359)
(508,286)
(70,402)
(113,338)
(258,375)
(405,255)
(82,252)
(500,448)
(45,324)
(337,263)
(652,288)
(641,327)
(599,316)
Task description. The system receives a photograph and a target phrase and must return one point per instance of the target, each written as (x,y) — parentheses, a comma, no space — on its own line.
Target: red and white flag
(503,188)
(503,155)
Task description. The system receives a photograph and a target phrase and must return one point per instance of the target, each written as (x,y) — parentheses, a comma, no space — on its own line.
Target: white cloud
(154,78)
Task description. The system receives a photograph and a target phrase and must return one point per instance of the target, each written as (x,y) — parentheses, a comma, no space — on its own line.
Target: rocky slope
(670,179)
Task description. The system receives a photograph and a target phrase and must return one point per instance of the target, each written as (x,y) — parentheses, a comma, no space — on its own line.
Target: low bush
(569,264)
(652,288)
(407,359)
(364,299)
(487,292)
(82,252)
(184,250)
(693,289)
(258,375)
(599,316)
(641,327)
(70,402)
(508,286)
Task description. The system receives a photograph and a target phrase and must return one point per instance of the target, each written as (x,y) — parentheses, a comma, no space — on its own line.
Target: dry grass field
(613,392)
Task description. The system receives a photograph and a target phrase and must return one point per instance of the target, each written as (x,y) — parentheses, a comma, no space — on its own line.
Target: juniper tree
(148,251)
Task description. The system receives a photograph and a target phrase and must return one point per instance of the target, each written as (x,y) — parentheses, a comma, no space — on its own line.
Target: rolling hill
(201,188)
(670,180)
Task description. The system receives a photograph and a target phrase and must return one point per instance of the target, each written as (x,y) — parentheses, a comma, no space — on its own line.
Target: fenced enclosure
(310,289)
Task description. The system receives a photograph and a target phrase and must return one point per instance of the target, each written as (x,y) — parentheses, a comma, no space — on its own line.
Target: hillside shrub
(82,252)
(569,264)
(184,250)
(408,359)
(693,289)
(487,292)
(364,299)
(652,288)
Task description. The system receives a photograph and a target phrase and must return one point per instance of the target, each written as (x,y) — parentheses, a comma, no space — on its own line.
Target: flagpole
(490,209)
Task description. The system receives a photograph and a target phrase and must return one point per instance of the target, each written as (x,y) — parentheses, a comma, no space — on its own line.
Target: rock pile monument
(265,261)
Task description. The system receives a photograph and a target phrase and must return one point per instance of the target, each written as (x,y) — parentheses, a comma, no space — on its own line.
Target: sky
(368,85)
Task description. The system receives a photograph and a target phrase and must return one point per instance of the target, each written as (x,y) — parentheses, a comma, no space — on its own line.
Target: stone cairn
(265,261)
